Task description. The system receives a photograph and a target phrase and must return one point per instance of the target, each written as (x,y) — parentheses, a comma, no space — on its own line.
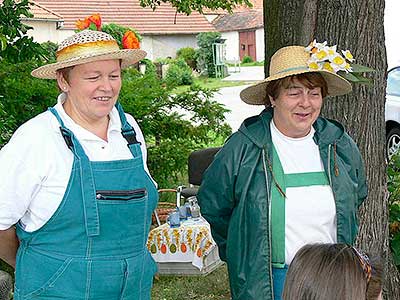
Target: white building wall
(260,47)
(158,46)
(45,31)
(232,45)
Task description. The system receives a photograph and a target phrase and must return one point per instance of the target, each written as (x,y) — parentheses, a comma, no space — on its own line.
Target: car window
(393,82)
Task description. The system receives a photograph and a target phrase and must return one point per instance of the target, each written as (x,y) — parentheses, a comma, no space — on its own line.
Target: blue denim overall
(94,245)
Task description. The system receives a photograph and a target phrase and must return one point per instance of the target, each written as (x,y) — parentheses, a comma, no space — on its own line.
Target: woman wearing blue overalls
(74,181)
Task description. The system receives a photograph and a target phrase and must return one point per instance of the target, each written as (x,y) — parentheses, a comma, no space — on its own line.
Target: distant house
(243,31)
(164,31)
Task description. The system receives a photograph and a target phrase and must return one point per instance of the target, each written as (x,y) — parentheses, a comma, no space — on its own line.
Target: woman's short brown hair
(331,271)
(310,80)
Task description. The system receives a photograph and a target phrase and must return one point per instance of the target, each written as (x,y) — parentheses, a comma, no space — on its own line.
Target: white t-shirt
(36,164)
(310,212)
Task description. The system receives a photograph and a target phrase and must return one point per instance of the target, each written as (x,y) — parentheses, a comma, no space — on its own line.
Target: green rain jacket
(235,198)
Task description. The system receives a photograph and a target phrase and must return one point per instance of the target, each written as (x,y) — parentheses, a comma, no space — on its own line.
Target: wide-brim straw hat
(88,46)
(289,61)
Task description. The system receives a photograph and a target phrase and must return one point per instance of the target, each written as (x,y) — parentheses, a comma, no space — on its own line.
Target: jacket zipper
(121,194)
(331,184)
(329,165)
(269,220)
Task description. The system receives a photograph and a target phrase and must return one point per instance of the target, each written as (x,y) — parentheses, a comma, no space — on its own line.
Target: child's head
(332,271)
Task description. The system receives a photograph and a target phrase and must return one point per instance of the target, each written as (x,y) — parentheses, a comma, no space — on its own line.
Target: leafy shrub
(205,59)
(189,55)
(173,126)
(7,124)
(150,66)
(15,44)
(23,96)
(393,172)
(247,59)
(50,50)
(179,73)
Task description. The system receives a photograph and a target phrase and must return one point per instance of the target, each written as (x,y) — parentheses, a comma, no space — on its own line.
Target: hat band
(292,69)
(86,49)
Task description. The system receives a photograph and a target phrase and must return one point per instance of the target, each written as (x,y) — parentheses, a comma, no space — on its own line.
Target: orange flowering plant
(92,22)
(130,40)
(126,37)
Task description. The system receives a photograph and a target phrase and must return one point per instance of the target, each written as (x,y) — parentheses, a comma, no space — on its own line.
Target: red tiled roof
(240,21)
(163,20)
(41,12)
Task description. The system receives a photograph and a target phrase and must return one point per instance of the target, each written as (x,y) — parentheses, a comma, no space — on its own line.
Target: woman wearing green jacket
(288,177)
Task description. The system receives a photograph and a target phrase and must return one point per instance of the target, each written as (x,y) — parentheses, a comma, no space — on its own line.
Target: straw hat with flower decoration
(91,45)
(317,57)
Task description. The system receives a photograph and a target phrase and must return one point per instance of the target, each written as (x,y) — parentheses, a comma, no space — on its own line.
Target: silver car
(392,111)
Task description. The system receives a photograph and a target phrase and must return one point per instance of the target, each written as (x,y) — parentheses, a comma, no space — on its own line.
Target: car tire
(392,142)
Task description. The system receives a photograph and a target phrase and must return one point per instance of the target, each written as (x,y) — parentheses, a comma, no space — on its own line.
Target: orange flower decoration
(82,24)
(130,40)
(88,21)
(96,19)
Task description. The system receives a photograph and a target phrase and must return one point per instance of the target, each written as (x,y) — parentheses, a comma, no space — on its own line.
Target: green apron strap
(306,179)
(278,213)
(278,203)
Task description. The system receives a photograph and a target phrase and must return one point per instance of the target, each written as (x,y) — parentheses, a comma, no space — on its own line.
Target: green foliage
(187,6)
(247,59)
(189,55)
(179,73)
(393,172)
(173,126)
(7,124)
(15,45)
(118,31)
(205,60)
(358,75)
(23,96)
(150,66)
(50,49)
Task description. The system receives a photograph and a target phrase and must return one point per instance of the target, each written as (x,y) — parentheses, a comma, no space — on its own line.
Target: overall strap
(278,203)
(91,213)
(128,133)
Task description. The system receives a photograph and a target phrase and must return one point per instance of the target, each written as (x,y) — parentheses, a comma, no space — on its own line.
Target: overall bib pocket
(123,215)
(124,195)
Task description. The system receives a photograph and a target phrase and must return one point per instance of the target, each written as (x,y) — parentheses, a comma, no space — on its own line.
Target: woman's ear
(271,100)
(62,83)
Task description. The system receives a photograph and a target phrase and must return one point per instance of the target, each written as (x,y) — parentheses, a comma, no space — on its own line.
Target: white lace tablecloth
(190,242)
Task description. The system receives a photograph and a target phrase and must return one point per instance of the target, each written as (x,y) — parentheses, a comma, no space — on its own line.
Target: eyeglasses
(364,262)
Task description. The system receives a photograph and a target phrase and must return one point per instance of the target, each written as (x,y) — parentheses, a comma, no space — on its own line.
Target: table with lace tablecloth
(190,242)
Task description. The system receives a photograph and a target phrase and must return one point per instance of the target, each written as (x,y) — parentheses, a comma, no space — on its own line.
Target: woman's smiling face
(296,108)
(92,90)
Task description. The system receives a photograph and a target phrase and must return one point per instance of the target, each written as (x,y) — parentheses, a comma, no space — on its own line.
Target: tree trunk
(356,25)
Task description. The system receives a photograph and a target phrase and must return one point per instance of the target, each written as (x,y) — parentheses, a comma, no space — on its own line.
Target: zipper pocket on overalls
(121,195)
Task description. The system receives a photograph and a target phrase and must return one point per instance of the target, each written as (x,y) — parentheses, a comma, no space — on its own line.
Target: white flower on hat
(323,57)
(327,58)
(338,63)
(347,54)
(311,46)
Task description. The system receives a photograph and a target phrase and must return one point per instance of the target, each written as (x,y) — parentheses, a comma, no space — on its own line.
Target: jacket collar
(257,129)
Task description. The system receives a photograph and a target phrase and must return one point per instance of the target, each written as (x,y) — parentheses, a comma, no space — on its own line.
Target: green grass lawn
(214,286)
(249,64)
(211,83)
